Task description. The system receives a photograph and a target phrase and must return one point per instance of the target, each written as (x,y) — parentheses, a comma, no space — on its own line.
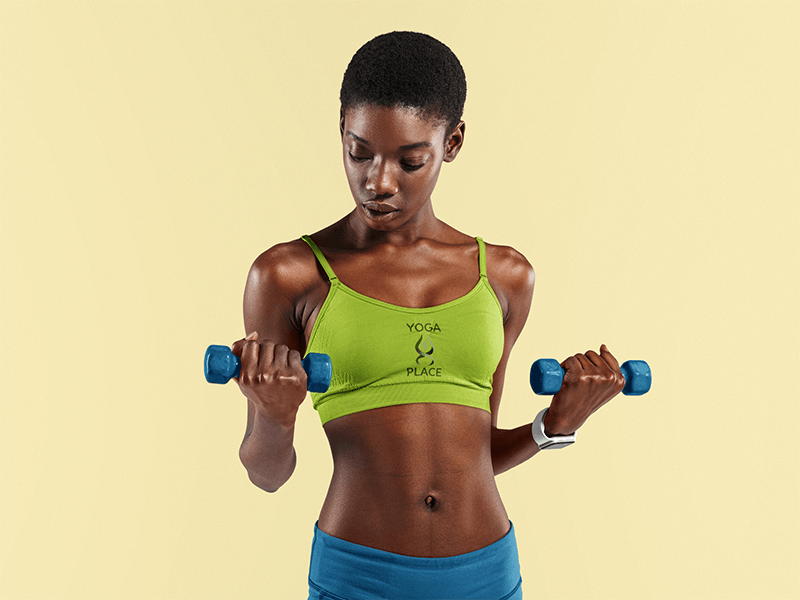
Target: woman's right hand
(271,376)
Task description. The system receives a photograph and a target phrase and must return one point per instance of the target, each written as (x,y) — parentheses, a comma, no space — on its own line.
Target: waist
(414,518)
(414,479)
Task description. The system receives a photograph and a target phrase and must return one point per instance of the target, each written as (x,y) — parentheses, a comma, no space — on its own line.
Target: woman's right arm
(272,376)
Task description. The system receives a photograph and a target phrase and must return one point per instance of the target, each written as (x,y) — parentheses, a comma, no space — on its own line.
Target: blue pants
(342,570)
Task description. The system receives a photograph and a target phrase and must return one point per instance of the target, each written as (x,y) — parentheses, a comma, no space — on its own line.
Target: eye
(406,166)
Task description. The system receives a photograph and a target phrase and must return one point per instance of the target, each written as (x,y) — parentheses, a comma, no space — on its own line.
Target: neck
(423,225)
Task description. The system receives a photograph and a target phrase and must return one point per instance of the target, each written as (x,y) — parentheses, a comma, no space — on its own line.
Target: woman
(419,320)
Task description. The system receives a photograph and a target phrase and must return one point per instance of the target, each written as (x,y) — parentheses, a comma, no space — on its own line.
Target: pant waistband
(355,572)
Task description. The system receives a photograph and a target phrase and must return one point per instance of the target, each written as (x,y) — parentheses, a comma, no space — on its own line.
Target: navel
(432,503)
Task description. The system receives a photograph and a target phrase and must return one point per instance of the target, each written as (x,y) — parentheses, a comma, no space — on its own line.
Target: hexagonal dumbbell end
(637,377)
(547,377)
(220,364)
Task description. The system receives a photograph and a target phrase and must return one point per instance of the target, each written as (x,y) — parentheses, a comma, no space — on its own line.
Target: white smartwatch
(548,443)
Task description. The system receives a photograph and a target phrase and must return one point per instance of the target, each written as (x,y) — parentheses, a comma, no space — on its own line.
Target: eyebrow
(406,147)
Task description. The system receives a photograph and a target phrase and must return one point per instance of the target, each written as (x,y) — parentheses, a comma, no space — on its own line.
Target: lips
(380,207)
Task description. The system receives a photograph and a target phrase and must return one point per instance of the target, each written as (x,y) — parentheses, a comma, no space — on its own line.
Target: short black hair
(408,69)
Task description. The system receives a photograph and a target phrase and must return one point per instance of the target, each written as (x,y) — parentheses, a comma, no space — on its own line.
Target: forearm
(268,453)
(512,447)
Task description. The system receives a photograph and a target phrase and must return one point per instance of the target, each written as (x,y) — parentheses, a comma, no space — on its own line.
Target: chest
(409,277)
(426,275)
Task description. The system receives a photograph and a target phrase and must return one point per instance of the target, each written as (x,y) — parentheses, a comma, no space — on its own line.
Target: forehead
(392,126)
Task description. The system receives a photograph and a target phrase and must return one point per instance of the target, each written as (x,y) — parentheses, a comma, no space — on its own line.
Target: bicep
(515,282)
(269,305)
(269,309)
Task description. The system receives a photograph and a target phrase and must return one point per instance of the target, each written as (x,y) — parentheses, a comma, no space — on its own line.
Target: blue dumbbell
(547,375)
(221,364)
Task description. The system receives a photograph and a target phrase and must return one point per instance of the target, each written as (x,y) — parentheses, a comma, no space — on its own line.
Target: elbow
(505,449)
(269,480)
(499,466)
(263,484)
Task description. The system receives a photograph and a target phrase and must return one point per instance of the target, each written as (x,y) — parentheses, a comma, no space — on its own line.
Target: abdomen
(414,479)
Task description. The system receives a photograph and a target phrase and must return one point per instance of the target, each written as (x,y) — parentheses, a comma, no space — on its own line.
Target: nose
(380,180)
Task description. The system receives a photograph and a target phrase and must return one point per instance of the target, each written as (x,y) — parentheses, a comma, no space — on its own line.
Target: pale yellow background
(644,156)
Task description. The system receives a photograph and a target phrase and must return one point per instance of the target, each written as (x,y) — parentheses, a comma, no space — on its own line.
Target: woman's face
(392,158)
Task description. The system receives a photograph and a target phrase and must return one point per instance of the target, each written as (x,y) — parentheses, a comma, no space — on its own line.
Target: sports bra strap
(321,258)
(332,276)
(481,256)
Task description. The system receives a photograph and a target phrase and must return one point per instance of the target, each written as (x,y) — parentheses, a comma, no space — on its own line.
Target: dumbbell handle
(220,364)
(547,376)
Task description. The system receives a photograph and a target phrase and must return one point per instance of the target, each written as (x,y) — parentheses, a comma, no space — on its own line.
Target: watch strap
(541,438)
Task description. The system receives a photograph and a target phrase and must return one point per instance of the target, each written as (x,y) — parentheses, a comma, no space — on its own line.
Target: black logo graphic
(424,354)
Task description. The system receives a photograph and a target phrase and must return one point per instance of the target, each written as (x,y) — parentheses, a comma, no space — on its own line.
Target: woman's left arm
(512,277)
(590,379)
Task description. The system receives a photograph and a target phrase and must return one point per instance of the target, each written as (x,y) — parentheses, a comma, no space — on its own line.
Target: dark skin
(415,479)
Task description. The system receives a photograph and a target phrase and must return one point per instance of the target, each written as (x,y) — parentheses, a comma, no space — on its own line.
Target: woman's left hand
(590,381)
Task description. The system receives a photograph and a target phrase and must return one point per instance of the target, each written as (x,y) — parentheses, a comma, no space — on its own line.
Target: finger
(614,364)
(585,363)
(282,362)
(250,358)
(298,373)
(236,347)
(596,359)
(609,358)
(266,357)
(572,370)
(281,359)
(604,368)
(295,360)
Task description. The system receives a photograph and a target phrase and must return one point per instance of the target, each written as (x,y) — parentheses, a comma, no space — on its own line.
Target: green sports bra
(387,355)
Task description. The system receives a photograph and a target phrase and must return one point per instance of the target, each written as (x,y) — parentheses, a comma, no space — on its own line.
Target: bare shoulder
(512,278)
(289,267)
(510,269)
(282,281)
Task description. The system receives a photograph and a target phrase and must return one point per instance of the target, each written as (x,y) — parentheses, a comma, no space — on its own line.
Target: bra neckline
(399,307)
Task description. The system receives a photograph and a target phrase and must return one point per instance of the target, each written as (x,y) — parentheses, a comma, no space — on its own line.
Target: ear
(453,144)
(341,122)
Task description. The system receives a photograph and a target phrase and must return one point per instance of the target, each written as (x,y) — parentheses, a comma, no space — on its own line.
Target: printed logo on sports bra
(425,354)
(424,348)
(429,327)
